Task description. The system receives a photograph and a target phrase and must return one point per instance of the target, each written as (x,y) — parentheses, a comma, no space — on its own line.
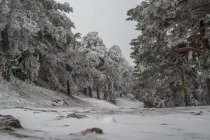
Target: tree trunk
(6,50)
(184,87)
(98,93)
(90,92)
(105,96)
(208,87)
(109,89)
(68,88)
(85,91)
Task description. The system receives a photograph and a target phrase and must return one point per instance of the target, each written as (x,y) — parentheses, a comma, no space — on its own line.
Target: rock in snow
(92,130)
(75,115)
(7,122)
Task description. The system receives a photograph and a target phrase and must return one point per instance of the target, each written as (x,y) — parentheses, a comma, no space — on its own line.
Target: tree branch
(196,50)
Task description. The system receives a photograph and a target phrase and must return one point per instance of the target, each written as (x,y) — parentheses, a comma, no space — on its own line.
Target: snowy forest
(39,46)
(172,52)
(50,73)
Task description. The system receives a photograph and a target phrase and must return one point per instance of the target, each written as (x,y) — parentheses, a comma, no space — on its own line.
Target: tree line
(38,45)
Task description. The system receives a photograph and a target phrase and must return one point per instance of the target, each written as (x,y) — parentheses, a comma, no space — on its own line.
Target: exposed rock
(93,130)
(60,117)
(66,125)
(7,122)
(164,124)
(199,113)
(75,115)
(57,102)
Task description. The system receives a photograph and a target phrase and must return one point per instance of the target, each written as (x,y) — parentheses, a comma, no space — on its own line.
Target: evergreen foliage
(38,45)
(163,76)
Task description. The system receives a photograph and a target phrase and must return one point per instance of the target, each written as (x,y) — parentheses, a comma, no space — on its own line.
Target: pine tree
(163,70)
(38,32)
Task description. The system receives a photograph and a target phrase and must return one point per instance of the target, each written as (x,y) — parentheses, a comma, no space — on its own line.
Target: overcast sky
(108,17)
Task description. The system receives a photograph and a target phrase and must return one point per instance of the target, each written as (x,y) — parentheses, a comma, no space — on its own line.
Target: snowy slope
(23,94)
(129,103)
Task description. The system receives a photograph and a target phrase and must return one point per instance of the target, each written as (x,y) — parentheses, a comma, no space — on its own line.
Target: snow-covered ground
(43,115)
(116,123)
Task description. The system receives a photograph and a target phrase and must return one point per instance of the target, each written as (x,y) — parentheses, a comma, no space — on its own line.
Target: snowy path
(117,124)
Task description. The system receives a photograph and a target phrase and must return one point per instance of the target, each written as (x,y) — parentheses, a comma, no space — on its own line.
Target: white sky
(108,17)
